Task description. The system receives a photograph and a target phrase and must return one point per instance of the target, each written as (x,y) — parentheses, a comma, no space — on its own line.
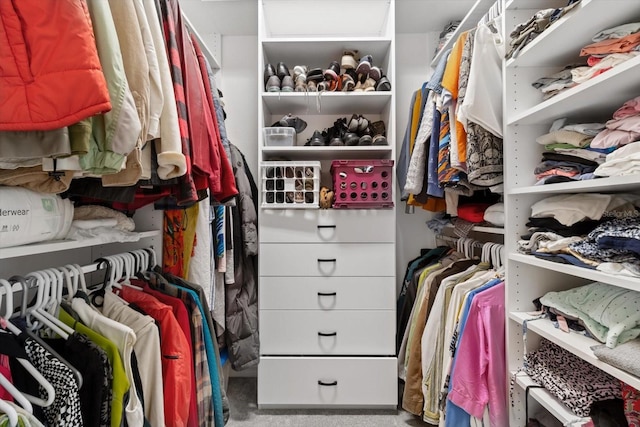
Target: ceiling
(240,17)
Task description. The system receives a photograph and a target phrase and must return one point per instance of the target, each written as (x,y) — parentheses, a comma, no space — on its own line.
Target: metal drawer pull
(326,226)
(327,334)
(322,383)
(327,260)
(327,294)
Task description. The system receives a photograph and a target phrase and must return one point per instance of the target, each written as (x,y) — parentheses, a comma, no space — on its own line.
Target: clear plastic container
(279,137)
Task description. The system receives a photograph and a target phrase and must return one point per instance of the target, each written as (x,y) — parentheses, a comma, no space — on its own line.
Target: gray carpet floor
(244,411)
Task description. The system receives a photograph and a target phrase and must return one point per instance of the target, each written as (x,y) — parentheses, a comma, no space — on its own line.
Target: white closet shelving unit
(526,117)
(27,258)
(327,277)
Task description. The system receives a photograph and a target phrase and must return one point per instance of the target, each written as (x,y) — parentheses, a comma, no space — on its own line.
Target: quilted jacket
(50,75)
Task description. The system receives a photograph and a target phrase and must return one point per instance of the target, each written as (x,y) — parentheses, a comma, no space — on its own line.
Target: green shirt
(120,382)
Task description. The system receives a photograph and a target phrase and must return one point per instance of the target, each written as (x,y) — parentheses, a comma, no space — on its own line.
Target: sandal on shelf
(311,86)
(369,85)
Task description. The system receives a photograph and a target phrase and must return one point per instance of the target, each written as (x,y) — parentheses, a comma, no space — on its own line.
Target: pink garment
(627,124)
(556,172)
(621,45)
(629,108)
(614,138)
(6,371)
(480,373)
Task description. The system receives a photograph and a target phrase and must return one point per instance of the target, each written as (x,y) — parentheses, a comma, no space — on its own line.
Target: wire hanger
(47,388)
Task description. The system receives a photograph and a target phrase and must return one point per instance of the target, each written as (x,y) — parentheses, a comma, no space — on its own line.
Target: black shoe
(351,139)
(293,122)
(316,140)
(282,70)
(315,75)
(268,72)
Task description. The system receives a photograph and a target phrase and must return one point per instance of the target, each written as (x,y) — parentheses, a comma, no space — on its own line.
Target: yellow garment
(450,82)
(178,240)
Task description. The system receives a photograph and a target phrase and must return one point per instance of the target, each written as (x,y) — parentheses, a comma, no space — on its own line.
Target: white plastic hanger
(78,275)
(44,286)
(10,412)
(23,311)
(71,282)
(46,385)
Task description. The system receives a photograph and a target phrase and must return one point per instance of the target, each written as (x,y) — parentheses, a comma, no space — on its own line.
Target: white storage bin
(279,136)
(288,185)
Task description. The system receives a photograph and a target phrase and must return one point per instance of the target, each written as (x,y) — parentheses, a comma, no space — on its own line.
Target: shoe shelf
(614,183)
(327,152)
(337,103)
(562,41)
(576,343)
(319,52)
(474,14)
(626,282)
(63,245)
(549,402)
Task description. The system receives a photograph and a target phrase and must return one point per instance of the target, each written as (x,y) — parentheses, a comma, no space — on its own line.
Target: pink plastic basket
(362,183)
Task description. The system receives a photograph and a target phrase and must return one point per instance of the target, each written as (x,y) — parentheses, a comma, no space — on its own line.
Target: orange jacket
(50,74)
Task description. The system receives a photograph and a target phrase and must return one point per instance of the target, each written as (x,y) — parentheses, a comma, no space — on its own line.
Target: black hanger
(99,293)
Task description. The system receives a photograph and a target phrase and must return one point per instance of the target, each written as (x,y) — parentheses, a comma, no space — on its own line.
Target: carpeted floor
(244,412)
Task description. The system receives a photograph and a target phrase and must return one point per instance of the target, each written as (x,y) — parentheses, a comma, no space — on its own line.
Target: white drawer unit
(337,333)
(327,259)
(327,225)
(327,293)
(327,276)
(327,382)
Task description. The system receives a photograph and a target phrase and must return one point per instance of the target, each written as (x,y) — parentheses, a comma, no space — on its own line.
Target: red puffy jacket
(50,74)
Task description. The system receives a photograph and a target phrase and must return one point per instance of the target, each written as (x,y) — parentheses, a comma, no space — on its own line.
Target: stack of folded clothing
(102,223)
(610,47)
(616,241)
(623,161)
(623,128)
(597,231)
(525,32)
(569,155)
(446,34)
(556,83)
